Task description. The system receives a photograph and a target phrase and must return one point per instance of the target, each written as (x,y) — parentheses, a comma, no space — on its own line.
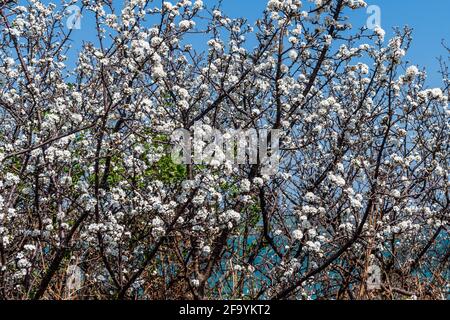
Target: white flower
(364,68)
(23,263)
(245,185)
(293,55)
(258,181)
(402,132)
(230,215)
(186,25)
(297,235)
(337,180)
(183,104)
(140,47)
(14,32)
(395,193)
(355,203)
(355,4)
(313,246)
(293,40)
(195,283)
(11,179)
(309,210)
(436,93)
(412,71)
(237,268)
(298,30)
(29,247)
(183,93)
(198,4)
(156,41)
(233,215)
(206,250)
(158,232)
(167,5)
(215,44)
(9,61)
(310,197)
(158,72)
(380,33)
(273,5)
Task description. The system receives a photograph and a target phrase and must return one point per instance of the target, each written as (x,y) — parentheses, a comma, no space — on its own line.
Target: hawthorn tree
(89,193)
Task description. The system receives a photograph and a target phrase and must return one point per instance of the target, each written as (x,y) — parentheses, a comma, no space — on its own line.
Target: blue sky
(430,20)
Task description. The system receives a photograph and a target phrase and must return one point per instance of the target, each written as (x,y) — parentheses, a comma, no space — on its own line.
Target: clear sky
(430,20)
